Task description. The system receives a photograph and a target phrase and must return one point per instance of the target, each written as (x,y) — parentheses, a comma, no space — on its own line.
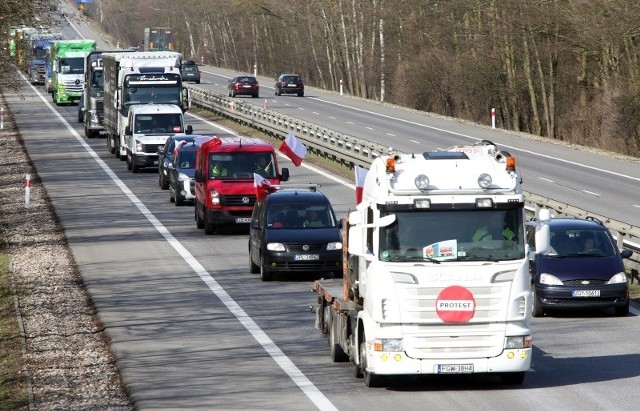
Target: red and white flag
(263,186)
(361,174)
(293,148)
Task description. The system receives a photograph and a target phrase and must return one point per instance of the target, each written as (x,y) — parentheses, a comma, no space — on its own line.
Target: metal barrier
(351,151)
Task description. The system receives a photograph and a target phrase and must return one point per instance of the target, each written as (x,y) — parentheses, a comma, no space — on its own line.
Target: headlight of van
(334,246)
(619,278)
(215,197)
(549,279)
(275,247)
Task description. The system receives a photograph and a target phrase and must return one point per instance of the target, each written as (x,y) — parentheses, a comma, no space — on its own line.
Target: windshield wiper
(409,258)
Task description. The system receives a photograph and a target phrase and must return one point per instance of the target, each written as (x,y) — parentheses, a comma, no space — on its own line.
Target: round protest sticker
(455,304)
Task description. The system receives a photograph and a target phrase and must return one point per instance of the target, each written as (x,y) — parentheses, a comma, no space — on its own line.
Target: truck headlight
(334,246)
(215,197)
(520,341)
(275,247)
(392,345)
(139,146)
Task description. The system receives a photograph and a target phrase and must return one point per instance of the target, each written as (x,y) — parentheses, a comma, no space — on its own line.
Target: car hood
(588,268)
(302,235)
(191,172)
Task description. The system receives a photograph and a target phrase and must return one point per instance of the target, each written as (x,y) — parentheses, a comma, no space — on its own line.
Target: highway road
(193,329)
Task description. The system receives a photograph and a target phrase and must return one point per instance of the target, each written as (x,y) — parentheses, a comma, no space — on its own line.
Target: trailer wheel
(371,380)
(335,350)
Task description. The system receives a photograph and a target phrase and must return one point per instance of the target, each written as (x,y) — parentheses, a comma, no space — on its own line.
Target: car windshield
(572,242)
(242,165)
(460,235)
(247,80)
(291,79)
(186,159)
(301,216)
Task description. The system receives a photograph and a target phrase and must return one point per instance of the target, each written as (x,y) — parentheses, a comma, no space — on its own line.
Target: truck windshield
(158,123)
(73,65)
(152,94)
(232,165)
(461,235)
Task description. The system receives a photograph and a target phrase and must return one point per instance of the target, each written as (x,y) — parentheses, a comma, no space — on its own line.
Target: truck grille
(41,69)
(236,200)
(151,148)
(72,87)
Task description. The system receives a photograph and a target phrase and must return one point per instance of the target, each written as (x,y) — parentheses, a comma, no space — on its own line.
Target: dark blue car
(583,269)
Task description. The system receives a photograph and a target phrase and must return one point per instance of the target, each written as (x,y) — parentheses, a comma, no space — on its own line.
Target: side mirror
(626,253)
(198,177)
(284,175)
(127,131)
(189,129)
(255,224)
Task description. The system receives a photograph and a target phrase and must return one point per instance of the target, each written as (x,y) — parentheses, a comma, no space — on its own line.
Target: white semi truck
(436,277)
(134,78)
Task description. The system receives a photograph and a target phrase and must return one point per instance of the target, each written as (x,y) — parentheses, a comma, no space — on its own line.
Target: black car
(582,268)
(244,86)
(164,157)
(289,84)
(190,72)
(295,231)
(182,170)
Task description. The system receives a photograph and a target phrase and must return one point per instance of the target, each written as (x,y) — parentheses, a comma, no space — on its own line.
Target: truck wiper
(409,258)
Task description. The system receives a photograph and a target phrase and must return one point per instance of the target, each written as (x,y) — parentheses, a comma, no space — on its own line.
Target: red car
(244,85)
(289,84)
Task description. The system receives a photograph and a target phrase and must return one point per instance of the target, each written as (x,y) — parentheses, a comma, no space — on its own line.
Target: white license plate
(455,368)
(586,293)
(291,85)
(246,86)
(243,220)
(306,257)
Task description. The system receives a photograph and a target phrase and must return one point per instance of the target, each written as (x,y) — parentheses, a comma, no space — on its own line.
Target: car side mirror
(127,131)
(626,253)
(255,223)
(198,176)
(189,129)
(284,175)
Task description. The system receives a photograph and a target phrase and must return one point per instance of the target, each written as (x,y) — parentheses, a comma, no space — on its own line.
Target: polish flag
(293,148)
(361,173)
(263,187)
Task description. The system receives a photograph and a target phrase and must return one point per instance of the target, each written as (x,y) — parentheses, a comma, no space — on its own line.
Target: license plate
(586,293)
(306,257)
(291,85)
(243,220)
(455,368)
(246,86)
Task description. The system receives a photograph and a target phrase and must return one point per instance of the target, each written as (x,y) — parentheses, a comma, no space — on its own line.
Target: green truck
(66,79)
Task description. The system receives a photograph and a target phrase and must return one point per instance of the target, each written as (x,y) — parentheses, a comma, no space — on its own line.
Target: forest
(562,69)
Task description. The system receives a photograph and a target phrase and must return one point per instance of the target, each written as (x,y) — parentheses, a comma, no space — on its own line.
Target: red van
(224,179)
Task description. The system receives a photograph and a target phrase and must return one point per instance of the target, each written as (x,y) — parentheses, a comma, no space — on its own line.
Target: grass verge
(13,384)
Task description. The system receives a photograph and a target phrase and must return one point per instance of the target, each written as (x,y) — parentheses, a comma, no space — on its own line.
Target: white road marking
(546,179)
(591,192)
(414,141)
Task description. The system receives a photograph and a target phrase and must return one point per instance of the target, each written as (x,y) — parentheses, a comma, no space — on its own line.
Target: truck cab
(67,69)
(148,127)
(224,179)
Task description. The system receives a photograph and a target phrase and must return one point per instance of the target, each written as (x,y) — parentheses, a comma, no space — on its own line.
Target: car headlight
(215,197)
(334,246)
(275,247)
(183,177)
(549,279)
(139,146)
(619,278)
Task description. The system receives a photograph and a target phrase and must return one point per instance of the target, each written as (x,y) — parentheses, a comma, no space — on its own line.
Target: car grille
(578,283)
(236,200)
(151,148)
(582,300)
(312,247)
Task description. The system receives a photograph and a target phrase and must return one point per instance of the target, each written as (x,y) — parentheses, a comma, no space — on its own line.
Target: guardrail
(351,151)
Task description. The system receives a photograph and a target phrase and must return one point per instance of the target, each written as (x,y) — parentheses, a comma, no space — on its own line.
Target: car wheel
(512,378)
(301,94)
(178,200)
(233,93)
(265,275)
(109,146)
(128,160)
(255,95)
(171,198)
(253,267)
(622,311)
(537,310)
(209,228)
(197,81)
(199,221)
(371,380)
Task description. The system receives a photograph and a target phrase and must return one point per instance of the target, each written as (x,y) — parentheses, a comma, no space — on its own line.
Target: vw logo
(245,200)
(305,247)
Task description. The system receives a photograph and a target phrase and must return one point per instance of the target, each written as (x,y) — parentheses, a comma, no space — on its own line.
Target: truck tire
(335,350)
(253,267)
(371,380)
(128,160)
(109,146)
(135,168)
